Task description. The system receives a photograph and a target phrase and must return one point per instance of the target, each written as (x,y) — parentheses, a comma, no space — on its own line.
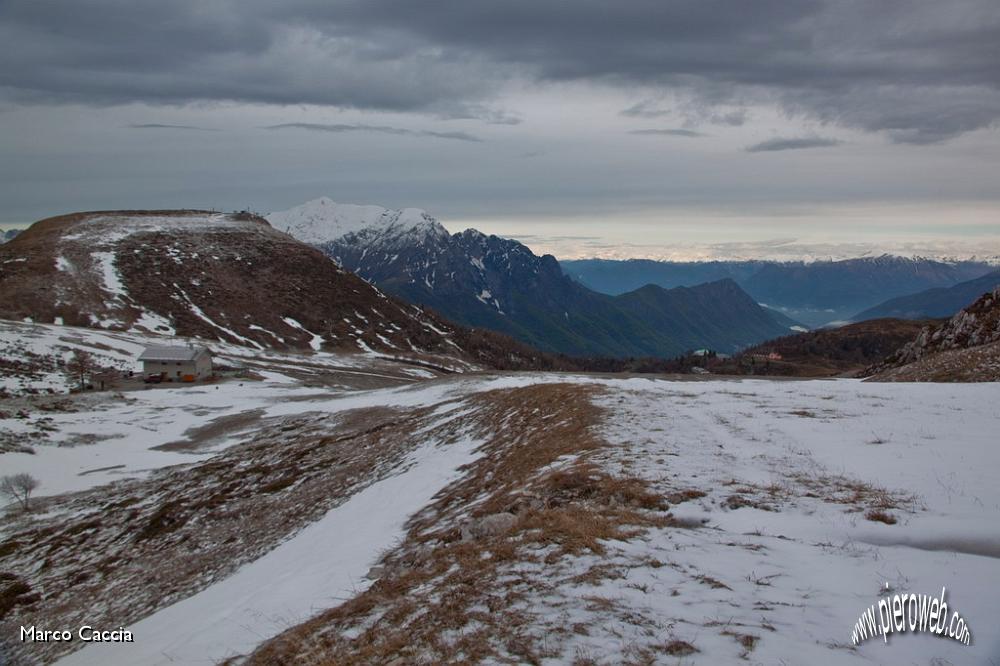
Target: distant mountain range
(499,284)
(931,303)
(815,293)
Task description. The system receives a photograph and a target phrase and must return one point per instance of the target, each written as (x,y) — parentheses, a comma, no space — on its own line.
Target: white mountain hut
(177,364)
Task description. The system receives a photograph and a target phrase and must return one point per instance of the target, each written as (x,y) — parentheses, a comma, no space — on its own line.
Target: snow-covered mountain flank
(229,277)
(499,284)
(323,220)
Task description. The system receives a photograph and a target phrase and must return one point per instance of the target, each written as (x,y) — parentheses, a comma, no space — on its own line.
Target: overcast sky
(631,128)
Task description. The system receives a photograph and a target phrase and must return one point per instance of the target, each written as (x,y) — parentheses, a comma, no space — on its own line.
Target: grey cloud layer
(921,72)
(171,127)
(792,144)
(667,132)
(381,129)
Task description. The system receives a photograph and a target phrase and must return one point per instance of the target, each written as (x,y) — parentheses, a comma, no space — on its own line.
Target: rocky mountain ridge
(230,277)
(497,283)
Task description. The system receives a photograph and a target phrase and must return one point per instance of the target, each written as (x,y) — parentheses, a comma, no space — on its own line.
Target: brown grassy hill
(230,277)
(825,352)
(964,348)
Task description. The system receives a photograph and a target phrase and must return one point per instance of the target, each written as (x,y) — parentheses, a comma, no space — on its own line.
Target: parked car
(154,378)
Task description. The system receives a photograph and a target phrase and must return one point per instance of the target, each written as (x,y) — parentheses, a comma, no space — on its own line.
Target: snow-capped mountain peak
(323,220)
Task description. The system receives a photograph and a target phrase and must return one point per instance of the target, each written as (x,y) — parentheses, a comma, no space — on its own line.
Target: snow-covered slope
(627,520)
(324,220)
(778,537)
(229,277)
(224,620)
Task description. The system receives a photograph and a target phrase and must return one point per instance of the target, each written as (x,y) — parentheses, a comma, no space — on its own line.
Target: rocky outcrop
(975,330)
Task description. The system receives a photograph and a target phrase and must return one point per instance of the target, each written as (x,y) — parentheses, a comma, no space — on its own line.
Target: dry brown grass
(713,583)
(747,641)
(859,494)
(15,592)
(880,516)
(444,599)
(685,495)
(678,648)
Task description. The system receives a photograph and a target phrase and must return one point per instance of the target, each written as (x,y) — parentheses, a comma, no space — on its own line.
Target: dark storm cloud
(776,144)
(175,127)
(921,72)
(667,132)
(111,52)
(381,129)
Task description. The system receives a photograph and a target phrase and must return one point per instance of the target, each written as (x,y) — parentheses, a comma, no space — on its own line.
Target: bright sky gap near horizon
(680,130)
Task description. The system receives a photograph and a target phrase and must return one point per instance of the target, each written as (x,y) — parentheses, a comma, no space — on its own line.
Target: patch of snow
(255,327)
(385,341)
(428,325)
(154,323)
(420,372)
(111,280)
(316,342)
(324,562)
(729,438)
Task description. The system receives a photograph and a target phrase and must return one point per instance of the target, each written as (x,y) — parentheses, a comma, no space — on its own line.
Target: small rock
(491,525)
